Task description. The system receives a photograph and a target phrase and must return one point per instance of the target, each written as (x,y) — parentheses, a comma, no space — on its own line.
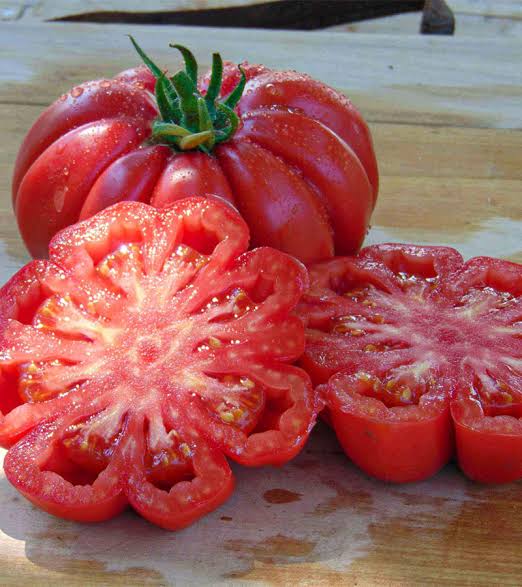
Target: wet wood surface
(444,113)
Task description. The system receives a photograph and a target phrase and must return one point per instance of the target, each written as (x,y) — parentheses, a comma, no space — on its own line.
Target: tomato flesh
(416,351)
(147,350)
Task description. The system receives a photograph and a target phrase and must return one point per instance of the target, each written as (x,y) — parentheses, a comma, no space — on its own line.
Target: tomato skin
(231,75)
(288,201)
(297,91)
(372,446)
(340,179)
(417,352)
(140,77)
(486,456)
(312,181)
(397,451)
(54,190)
(130,178)
(190,174)
(148,350)
(87,102)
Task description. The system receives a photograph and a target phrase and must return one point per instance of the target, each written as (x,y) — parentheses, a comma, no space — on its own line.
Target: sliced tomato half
(417,349)
(147,350)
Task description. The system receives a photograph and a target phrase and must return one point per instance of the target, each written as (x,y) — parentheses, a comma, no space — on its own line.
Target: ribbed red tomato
(293,155)
(148,349)
(419,350)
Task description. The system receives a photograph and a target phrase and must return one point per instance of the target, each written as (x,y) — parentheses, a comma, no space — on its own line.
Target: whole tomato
(292,154)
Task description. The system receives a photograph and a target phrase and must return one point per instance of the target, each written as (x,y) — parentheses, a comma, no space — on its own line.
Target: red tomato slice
(487,404)
(416,347)
(148,349)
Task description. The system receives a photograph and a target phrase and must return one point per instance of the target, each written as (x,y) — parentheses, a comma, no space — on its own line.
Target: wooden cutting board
(444,114)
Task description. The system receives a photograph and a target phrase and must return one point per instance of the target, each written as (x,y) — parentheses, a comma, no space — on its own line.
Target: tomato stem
(188,120)
(191,65)
(214,87)
(235,95)
(169,129)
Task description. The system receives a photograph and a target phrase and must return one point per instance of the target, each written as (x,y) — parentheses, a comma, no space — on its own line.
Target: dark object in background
(437,18)
(282,14)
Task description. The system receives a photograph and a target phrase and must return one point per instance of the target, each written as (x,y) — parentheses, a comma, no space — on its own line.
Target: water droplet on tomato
(59,199)
(105,84)
(77,92)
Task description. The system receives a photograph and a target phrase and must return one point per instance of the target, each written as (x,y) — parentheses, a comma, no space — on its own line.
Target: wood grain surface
(289,12)
(476,18)
(467,25)
(51,9)
(444,113)
(275,14)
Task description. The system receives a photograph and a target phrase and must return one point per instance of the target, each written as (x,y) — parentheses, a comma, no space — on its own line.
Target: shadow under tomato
(316,518)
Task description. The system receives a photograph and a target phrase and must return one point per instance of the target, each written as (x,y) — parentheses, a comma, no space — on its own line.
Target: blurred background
(459,17)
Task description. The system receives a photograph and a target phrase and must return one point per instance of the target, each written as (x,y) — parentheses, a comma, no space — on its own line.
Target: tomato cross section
(148,349)
(417,349)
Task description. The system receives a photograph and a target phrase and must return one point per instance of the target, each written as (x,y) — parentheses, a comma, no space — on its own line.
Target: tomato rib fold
(283,430)
(87,103)
(288,202)
(59,197)
(48,480)
(489,447)
(132,177)
(298,91)
(326,161)
(190,174)
(211,484)
(397,444)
